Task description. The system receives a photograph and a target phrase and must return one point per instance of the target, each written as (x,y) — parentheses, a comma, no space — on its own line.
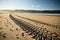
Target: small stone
(17,37)
(4,36)
(22,34)
(17,29)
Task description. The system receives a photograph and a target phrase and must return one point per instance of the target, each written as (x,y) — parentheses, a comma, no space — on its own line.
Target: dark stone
(17,37)
(22,34)
(4,36)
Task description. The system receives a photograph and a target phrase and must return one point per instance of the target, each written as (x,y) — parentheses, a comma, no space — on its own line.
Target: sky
(30,4)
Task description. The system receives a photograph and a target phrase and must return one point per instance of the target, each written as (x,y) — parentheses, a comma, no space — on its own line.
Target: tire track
(37,33)
(55,26)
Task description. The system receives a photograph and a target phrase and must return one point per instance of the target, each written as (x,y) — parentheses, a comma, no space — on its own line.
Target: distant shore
(36,11)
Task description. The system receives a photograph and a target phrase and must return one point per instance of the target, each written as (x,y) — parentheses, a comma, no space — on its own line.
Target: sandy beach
(9,30)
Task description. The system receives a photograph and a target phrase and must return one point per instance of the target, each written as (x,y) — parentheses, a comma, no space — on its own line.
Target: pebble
(4,36)
(17,37)
(17,29)
(22,34)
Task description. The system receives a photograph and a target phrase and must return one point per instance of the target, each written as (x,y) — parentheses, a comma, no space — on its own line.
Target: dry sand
(55,20)
(8,27)
(9,30)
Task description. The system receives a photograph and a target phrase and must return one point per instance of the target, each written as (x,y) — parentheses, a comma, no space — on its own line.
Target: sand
(9,30)
(54,20)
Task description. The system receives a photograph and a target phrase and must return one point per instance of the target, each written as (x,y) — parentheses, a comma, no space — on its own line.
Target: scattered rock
(4,36)
(22,34)
(17,29)
(17,37)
